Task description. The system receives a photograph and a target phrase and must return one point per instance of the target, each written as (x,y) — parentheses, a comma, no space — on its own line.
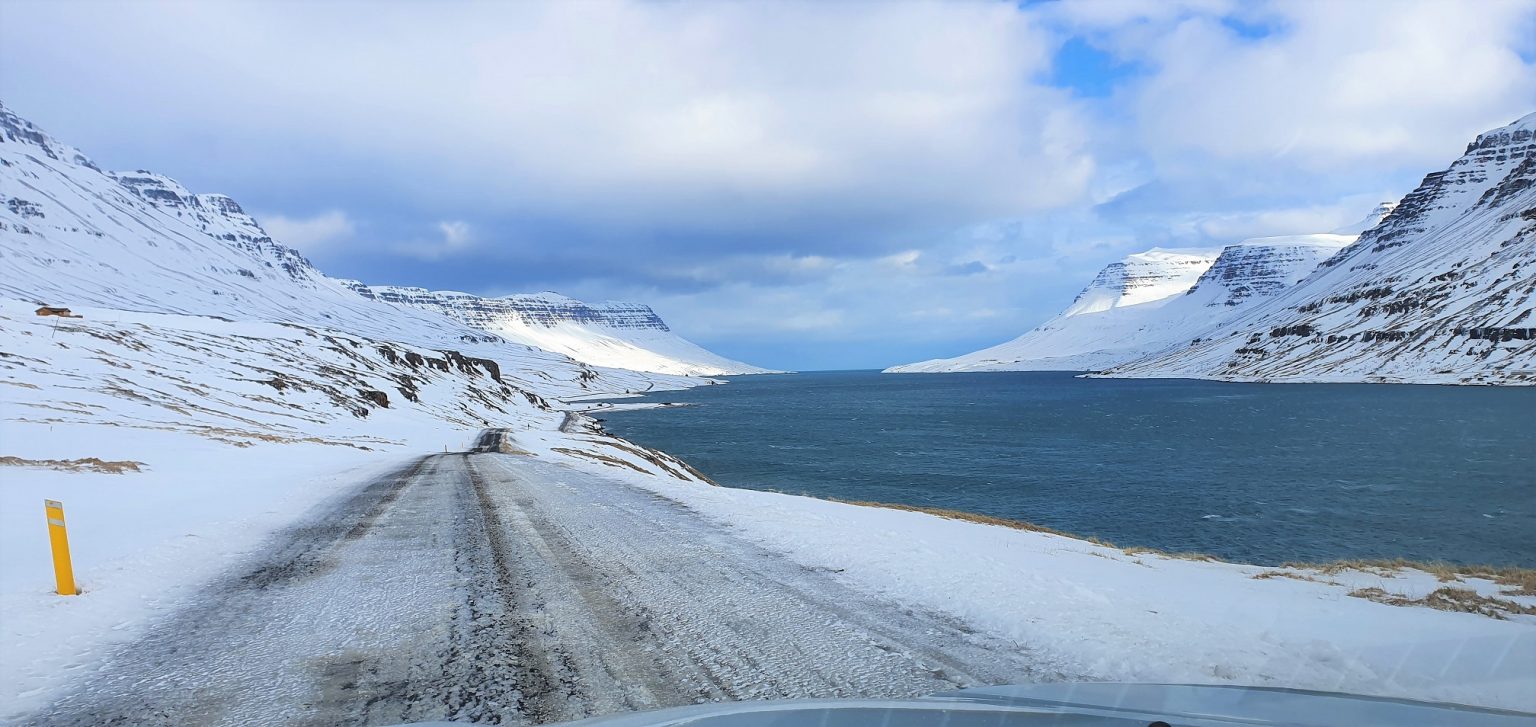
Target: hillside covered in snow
(1437,288)
(1157,298)
(166,275)
(1440,292)
(619,335)
(76,235)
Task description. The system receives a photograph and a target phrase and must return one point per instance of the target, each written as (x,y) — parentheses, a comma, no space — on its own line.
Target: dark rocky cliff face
(1126,279)
(1488,158)
(534,310)
(1260,271)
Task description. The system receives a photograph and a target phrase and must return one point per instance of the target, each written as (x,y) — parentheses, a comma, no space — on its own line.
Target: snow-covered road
(501,588)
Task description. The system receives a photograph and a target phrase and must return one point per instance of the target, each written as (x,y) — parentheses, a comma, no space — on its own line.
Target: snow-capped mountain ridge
(217,215)
(1264,266)
(17,130)
(1155,299)
(621,335)
(547,308)
(78,235)
(1381,212)
(1441,291)
(1142,278)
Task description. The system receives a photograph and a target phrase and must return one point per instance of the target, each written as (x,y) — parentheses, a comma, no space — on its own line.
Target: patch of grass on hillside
(972,517)
(1463,600)
(87,464)
(1517,581)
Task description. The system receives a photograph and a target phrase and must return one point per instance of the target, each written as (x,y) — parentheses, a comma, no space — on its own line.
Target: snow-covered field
(142,543)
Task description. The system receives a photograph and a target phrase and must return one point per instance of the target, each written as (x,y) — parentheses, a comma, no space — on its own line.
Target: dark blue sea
(1259,473)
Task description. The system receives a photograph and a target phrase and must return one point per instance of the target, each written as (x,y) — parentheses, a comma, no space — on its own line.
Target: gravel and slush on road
(509,589)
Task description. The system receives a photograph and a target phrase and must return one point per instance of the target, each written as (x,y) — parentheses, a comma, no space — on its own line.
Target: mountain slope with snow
(139,242)
(618,335)
(1107,322)
(1440,292)
(1155,299)
(209,388)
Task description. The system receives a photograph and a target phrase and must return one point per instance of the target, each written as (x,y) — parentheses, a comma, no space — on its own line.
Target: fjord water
(1259,473)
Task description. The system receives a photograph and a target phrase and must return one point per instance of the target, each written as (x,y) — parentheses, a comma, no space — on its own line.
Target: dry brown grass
(1266,575)
(1384,568)
(700,476)
(506,447)
(972,517)
(1462,600)
(646,455)
(1025,525)
(1518,581)
(88,464)
(1176,555)
(947,514)
(605,459)
(1521,580)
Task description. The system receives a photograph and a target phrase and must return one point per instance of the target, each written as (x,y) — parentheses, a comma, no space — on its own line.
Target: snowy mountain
(1157,298)
(208,386)
(137,244)
(140,240)
(1103,325)
(1144,277)
(1440,292)
(619,335)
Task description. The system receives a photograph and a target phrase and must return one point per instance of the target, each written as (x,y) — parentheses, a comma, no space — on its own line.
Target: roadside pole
(58,538)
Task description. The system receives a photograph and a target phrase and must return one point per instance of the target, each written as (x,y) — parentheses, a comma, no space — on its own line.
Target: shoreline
(1518,576)
(1257,523)
(1082,607)
(1522,576)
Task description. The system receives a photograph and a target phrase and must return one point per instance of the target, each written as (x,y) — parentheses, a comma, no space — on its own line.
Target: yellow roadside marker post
(58,537)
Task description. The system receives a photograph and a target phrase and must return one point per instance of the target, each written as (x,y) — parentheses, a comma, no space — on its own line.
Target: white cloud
(456,237)
(1337,84)
(1234,226)
(309,234)
(710,117)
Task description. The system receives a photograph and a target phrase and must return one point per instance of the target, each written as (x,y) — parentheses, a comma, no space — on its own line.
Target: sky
(798,185)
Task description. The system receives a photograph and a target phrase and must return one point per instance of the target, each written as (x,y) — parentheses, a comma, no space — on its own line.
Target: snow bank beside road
(141,542)
(1089,609)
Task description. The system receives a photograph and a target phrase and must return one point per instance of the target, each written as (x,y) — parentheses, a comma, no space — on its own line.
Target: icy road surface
(504,588)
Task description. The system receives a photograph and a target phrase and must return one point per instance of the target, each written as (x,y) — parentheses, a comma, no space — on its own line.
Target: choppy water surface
(1249,472)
